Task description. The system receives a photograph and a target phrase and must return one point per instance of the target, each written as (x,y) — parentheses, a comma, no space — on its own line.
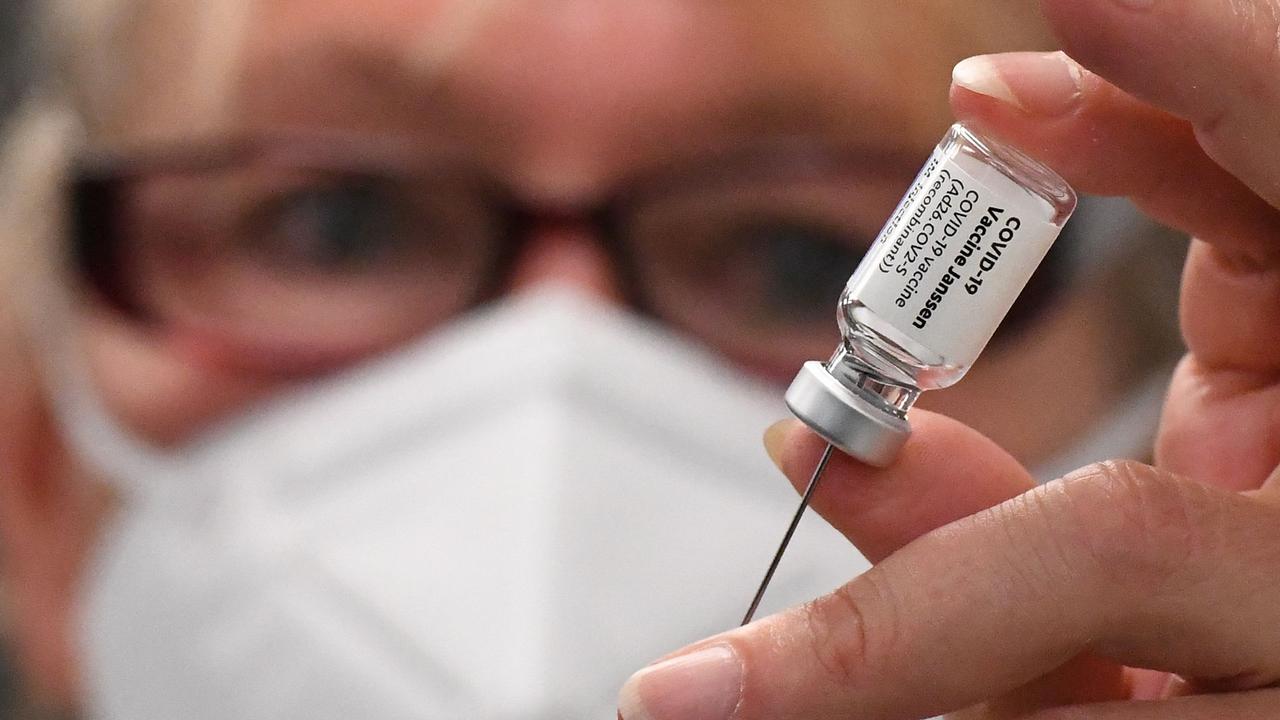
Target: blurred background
(15,53)
(16,69)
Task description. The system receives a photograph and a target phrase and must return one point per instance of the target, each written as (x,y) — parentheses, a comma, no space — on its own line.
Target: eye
(349,226)
(799,264)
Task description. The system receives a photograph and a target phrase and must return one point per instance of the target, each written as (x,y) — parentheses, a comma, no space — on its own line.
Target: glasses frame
(98,180)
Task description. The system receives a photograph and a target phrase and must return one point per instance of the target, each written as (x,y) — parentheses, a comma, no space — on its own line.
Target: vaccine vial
(931,291)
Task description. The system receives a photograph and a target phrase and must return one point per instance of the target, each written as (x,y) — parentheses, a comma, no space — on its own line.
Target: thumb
(1121,559)
(945,472)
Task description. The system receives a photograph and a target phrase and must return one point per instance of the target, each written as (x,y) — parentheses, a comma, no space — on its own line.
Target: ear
(49,513)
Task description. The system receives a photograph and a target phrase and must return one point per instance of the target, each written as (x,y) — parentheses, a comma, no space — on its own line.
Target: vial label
(953,257)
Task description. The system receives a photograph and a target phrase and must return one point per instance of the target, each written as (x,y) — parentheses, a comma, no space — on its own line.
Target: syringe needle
(786,539)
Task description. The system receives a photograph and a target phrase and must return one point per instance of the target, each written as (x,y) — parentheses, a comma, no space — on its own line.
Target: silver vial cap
(844,418)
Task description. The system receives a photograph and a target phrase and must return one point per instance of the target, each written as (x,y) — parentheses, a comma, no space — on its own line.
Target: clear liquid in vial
(946,268)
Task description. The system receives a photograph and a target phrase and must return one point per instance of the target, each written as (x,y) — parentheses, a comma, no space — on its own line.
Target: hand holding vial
(975,203)
(1121,582)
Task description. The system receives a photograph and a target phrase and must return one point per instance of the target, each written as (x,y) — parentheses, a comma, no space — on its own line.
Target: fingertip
(701,684)
(981,75)
(775,438)
(796,450)
(792,447)
(1041,84)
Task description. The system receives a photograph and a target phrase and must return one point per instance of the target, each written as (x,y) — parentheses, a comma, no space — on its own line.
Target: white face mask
(503,521)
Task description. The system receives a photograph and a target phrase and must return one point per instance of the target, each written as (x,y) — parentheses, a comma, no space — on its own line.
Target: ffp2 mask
(501,521)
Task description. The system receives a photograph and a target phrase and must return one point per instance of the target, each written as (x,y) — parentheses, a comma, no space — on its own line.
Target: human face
(559,101)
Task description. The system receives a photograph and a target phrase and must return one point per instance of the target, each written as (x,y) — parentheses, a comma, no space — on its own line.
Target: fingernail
(774,437)
(703,685)
(1038,83)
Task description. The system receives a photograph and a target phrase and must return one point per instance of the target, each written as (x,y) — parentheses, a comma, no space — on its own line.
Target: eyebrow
(378,79)
(770,114)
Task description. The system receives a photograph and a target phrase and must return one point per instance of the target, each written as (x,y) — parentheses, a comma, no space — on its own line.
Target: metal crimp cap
(844,418)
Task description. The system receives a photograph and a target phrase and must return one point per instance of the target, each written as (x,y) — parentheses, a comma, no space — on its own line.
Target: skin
(681,75)
(991,599)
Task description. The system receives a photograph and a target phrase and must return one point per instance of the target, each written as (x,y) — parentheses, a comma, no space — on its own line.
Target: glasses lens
(754,265)
(298,267)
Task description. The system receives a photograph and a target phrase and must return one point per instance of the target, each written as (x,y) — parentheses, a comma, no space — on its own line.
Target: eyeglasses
(289,255)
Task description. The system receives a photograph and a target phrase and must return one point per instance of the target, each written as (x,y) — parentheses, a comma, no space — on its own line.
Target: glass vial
(931,290)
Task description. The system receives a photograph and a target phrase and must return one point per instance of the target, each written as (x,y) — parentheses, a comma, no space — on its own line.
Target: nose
(566,256)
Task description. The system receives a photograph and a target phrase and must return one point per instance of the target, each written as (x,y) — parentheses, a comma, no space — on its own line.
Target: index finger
(1215,63)
(1106,141)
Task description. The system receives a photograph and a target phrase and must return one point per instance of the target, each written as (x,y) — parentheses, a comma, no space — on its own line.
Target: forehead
(567,82)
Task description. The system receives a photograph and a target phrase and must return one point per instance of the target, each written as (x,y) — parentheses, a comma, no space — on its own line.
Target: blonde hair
(33,160)
(34,154)
(83,82)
